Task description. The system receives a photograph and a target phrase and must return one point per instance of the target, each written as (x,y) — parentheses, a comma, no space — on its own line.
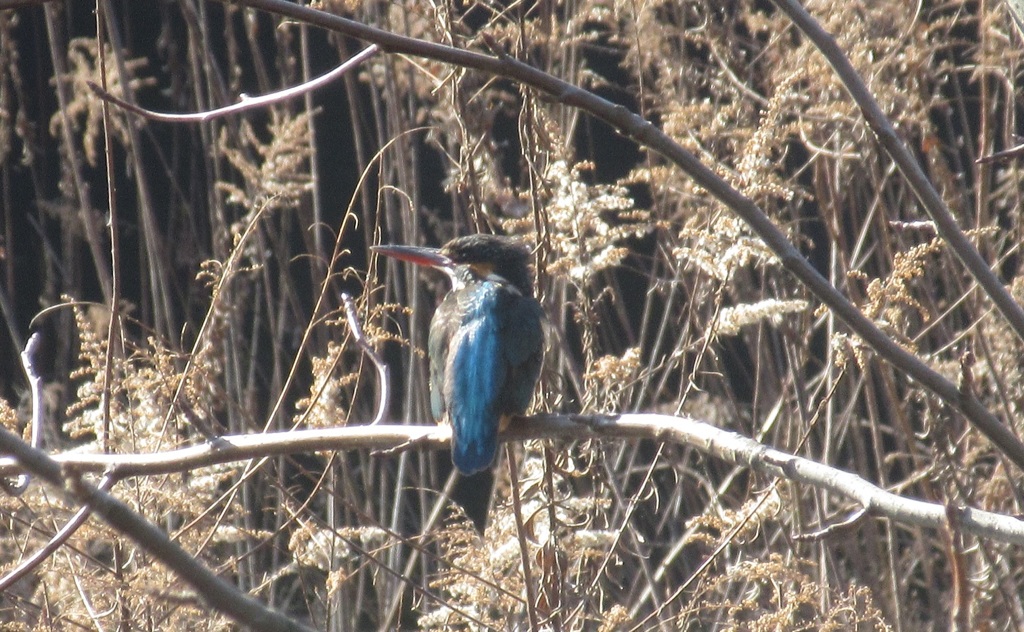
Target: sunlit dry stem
(929,197)
(247,103)
(521,535)
(725,541)
(414,556)
(960,612)
(89,218)
(114,325)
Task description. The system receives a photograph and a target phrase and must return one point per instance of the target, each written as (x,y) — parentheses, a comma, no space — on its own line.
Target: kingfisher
(486,341)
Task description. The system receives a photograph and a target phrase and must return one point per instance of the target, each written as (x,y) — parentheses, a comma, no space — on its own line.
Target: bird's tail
(474,448)
(473,493)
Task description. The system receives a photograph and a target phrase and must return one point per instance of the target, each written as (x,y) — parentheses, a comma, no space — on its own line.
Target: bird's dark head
(485,255)
(473,258)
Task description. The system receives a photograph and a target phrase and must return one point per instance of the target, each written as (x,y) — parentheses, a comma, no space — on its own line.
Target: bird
(486,341)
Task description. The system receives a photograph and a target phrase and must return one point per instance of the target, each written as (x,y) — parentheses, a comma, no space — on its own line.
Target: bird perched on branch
(486,342)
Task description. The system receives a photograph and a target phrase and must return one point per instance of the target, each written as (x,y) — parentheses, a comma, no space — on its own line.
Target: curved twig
(38,418)
(247,103)
(383,375)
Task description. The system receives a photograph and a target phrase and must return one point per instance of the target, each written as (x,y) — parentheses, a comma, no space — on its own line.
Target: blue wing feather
(522,324)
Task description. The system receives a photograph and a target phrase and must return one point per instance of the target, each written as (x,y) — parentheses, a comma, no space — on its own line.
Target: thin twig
(1012,152)
(960,612)
(828,531)
(524,546)
(114,326)
(698,572)
(10,321)
(247,103)
(383,376)
(417,551)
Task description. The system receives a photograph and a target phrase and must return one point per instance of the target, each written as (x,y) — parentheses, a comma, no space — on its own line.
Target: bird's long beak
(419,255)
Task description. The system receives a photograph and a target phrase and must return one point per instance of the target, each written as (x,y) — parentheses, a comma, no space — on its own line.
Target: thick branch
(722,444)
(650,136)
(929,197)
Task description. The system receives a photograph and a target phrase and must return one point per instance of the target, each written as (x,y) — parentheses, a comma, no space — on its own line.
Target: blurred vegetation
(236,236)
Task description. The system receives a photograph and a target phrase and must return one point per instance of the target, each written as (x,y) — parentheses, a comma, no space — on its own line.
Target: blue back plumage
(476,376)
(493,363)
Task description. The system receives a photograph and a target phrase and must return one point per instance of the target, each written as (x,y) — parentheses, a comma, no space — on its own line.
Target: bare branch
(35,383)
(716,442)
